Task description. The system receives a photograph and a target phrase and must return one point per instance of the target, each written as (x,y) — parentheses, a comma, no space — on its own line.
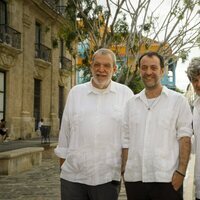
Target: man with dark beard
(157,130)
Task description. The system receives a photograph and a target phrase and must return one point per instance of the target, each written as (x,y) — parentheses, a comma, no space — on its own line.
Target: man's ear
(114,69)
(163,71)
(90,67)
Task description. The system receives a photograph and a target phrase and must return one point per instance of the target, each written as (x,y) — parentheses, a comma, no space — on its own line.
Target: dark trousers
(78,191)
(152,191)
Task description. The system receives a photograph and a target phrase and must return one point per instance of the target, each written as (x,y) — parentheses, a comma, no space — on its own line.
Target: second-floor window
(3,12)
(38,33)
(41,51)
(62,45)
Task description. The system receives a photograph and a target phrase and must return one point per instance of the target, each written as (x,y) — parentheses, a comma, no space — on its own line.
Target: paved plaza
(42,183)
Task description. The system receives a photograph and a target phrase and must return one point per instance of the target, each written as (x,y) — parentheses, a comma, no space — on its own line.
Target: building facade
(36,71)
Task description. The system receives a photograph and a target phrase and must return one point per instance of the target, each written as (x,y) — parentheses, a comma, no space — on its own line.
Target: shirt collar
(111,88)
(197,102)
(142,96)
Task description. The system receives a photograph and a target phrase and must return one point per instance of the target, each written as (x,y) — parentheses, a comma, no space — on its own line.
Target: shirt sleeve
(63,141)
(129,94)
(125,128)
(184,121)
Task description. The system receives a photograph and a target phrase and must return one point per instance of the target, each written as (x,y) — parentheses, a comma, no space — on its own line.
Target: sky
(181,77)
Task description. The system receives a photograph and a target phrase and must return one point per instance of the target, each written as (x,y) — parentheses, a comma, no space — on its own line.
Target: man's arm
(184,155)
(63,140)
(61,161)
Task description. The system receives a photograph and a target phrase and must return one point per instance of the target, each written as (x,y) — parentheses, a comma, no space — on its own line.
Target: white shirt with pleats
(90,135)
(151,132)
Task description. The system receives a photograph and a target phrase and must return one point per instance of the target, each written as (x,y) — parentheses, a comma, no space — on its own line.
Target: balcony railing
(42,52)
(10,36)
(65,63)
(52,4)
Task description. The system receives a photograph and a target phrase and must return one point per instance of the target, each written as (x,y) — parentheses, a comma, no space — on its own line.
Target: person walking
(156,132)
(193,73)
(90,145)
(40,124)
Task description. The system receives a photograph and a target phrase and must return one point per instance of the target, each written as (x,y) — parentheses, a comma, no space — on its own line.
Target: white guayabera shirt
(90,135)
(196,126)
(151,132)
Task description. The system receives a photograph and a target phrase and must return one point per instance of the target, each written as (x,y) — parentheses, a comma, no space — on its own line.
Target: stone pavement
(42,182)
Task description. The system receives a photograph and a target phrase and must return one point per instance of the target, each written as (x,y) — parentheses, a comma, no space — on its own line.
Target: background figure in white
(193,73)
(40,123)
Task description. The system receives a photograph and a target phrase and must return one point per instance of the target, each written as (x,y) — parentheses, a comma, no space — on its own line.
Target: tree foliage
(174,27)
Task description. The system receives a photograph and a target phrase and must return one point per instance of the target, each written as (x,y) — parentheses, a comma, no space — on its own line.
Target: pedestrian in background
(157,130)
(90,145)
(193,72)
(40,124)
(3,130)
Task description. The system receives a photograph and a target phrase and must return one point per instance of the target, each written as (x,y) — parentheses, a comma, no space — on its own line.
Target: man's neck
(100,86)
(154,92)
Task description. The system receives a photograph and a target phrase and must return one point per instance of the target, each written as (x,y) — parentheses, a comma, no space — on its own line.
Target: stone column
(27,121)
(54,102)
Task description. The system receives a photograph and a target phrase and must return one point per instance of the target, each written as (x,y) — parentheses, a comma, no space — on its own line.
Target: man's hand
(177,180)
(184,155)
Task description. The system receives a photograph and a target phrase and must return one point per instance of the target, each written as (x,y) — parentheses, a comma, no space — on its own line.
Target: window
(62,48)
(2,95)
(37,100)
(37,39)
(38,33)
(61,53)
(3,12)
(61,102)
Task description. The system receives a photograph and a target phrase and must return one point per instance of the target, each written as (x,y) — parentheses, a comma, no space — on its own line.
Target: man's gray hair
(193,69)
(104,51)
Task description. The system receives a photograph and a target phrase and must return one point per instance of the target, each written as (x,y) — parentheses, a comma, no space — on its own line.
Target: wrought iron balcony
(42,52)
(65,63)
(54,6)
(10,36)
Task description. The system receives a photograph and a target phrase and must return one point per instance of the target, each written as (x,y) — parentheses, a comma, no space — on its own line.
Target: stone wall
(22,68)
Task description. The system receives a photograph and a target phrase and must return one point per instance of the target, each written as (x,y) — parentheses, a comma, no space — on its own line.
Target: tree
(173,27)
